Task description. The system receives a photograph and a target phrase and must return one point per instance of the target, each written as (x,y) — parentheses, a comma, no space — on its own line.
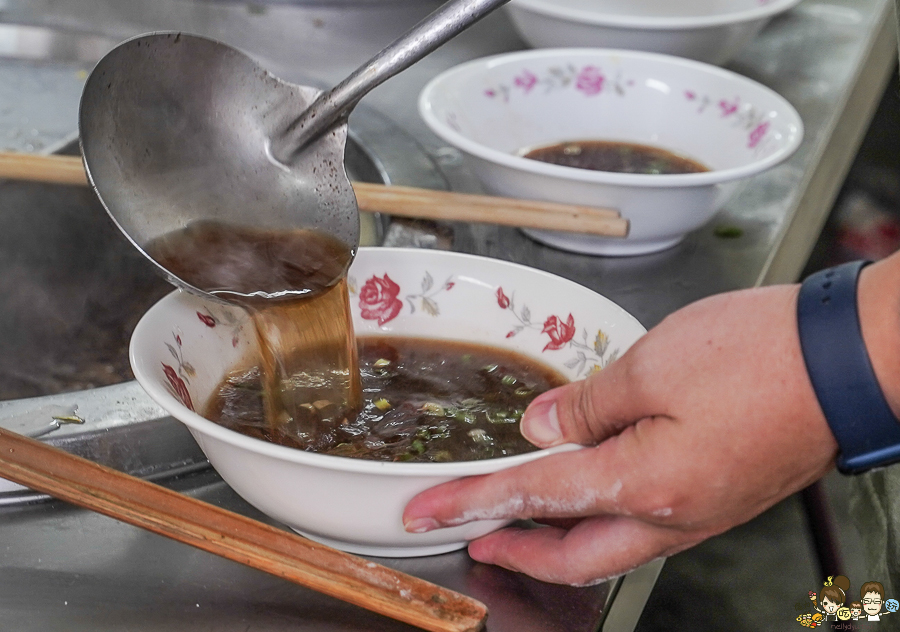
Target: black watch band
(867,431)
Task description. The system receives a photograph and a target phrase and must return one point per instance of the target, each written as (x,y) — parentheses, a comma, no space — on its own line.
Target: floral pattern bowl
(713,31)
(184,346)
(495,108)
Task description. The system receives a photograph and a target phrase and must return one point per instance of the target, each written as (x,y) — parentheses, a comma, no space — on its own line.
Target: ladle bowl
(177,128)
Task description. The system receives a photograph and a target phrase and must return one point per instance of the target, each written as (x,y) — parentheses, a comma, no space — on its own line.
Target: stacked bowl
(713,31)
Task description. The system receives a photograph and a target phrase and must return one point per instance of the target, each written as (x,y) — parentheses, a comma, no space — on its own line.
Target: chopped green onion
(431,408)
(441,432)
(344,449)
(728,232)
(480,436)
(508,380)
(382,404)
(500,417)
(381,363)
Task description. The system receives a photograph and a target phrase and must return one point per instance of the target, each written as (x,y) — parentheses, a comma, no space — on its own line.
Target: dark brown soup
(244,265)
(599,155)
(424,400)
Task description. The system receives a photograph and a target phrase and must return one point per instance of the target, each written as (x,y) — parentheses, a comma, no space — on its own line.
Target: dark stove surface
(73,289)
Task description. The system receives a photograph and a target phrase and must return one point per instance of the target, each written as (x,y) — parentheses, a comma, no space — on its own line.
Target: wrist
(840,368)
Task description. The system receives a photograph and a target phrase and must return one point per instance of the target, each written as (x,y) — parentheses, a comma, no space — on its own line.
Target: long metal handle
(449,20)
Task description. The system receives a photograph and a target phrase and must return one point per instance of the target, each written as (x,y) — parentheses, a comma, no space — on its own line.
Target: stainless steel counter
(63,568)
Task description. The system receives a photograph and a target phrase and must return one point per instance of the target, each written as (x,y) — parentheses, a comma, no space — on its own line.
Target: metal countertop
(63,568)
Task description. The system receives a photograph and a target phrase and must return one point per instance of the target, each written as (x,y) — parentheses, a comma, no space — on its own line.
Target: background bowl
(183,347)
(493,108)
(713,31)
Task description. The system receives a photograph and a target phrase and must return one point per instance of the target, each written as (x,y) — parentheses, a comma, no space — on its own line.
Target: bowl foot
(384,551)
(609,247)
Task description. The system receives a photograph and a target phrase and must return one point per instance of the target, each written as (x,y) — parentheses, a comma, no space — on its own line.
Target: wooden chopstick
(377,588)
(488,209)
(52,168)
(378,198)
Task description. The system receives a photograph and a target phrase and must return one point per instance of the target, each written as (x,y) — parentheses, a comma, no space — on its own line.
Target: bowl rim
(512,161)
(558,9)
(195,421)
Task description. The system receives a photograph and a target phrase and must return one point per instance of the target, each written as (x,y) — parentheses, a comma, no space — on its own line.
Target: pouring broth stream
(293,283)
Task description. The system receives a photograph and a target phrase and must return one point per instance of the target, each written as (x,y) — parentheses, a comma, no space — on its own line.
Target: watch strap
(867,431)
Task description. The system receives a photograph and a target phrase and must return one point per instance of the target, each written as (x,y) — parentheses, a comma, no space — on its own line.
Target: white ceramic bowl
(713,31)
(183,347)
(493,108)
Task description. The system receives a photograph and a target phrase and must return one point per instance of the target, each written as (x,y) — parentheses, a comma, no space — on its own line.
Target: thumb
(587,411)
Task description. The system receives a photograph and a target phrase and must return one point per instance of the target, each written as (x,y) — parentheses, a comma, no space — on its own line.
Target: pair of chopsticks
(377,588)
(377,198)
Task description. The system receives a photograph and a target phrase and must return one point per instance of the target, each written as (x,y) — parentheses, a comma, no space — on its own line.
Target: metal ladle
(177,128)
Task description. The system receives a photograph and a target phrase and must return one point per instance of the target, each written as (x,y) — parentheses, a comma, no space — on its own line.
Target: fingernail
(540,424)
(420,525)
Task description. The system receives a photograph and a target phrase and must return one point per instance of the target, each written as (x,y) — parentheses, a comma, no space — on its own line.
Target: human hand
(704,423)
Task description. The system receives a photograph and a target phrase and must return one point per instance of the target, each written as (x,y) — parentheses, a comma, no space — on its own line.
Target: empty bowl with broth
(496,109)
(713,31)
(184,347)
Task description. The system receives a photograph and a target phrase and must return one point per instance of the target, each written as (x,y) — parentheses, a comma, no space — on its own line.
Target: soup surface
(424,400)
(599,155)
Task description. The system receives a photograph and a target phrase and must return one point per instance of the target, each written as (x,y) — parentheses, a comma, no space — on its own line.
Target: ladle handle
(447,21)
